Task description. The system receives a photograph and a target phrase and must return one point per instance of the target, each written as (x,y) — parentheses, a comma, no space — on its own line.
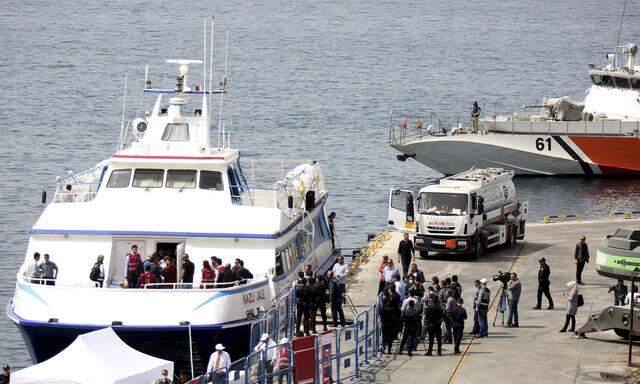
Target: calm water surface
(308,79)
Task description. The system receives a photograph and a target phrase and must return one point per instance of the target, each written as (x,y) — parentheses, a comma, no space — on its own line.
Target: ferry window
(176,132)
(119,178)
(148,178)
(635,83)
(597,80)
(279,266)
(233,182)
(607,81)
(211,180)
(622,82)
(181,178)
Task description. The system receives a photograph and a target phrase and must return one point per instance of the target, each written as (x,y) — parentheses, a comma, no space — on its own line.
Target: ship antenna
(124,105)
(210,74)
(624,8)
(224,85)
(204,56)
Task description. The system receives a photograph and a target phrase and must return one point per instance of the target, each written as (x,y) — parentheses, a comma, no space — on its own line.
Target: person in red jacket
(146,277)
(133,264)
(208,275)
(169,273)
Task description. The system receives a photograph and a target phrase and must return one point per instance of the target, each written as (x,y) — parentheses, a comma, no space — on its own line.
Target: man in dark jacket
(620,291)
(406,254)
(410,320)
(458,315)
(241,273)
(543,283)
(433,321)
(317,289)
(582,257)
(303,301)
(417,274)
(335,296)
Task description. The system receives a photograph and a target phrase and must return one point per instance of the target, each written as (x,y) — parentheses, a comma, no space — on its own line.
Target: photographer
(514,288)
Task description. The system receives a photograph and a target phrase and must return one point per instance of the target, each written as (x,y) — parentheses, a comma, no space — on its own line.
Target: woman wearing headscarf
(571,295)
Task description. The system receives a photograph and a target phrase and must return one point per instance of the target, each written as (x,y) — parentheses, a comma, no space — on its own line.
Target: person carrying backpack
(97,271)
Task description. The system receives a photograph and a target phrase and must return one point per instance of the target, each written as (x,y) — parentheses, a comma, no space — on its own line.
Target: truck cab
(464,214)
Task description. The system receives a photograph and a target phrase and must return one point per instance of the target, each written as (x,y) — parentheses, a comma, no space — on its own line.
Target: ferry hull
(44,340)
(533,155)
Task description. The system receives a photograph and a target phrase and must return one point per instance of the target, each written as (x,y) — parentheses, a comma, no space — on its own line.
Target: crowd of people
(161,272)
(314,293)
(413,309)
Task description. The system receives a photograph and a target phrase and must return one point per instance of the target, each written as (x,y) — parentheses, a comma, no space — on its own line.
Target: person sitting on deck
(146,277)
(67,195)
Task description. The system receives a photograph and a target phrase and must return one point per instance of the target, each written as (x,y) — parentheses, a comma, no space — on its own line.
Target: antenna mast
(224,86)
(124,105)
(210,74)
(624,8)
(204,55)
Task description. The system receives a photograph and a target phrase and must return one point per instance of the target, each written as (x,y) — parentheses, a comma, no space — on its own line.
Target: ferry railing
(79,188)
(23,278)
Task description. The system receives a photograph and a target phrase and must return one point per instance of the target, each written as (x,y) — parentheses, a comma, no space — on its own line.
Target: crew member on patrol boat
(133,266)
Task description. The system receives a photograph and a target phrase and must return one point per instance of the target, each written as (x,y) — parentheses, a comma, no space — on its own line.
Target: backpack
(580,301)
(94,275)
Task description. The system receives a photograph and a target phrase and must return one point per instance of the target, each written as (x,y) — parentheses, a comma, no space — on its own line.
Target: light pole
(188,325)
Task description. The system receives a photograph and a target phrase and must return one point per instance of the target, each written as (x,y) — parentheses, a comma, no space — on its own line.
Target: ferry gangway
(337,355)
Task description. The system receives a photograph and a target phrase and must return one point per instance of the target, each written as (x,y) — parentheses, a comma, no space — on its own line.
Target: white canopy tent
(98,357)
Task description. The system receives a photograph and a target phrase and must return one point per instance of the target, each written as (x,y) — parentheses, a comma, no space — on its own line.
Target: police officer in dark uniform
(303,300)
(543,283)
(318,290)
(433,321)
(410,320)
(457,315)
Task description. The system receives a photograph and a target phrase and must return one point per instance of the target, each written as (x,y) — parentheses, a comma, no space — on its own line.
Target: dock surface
(533,353)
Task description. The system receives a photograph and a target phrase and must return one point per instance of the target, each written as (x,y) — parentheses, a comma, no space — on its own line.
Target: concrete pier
(533,353)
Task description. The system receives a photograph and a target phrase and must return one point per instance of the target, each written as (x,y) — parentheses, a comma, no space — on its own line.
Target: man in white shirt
(340,270)
(219,363)
(32,270)
(268,347)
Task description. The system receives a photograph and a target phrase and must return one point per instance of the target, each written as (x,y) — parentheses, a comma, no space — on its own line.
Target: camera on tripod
(502,277)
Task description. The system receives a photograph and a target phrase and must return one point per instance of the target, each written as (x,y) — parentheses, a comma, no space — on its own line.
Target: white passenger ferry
(172,192)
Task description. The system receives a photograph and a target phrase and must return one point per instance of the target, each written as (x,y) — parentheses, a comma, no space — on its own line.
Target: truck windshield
(447,204)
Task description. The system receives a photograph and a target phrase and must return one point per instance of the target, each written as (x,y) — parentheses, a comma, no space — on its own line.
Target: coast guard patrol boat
(172,192)
(599,136)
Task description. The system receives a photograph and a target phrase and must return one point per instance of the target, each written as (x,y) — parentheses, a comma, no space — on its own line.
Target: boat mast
(124,105)
(224,85)
(210,75)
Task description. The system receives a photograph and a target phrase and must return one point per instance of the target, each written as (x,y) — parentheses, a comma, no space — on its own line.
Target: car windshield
(443,204)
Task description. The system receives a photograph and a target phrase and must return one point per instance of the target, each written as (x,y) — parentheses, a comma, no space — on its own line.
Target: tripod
(503,303)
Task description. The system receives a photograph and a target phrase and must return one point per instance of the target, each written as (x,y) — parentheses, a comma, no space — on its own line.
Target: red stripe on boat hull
(614,155)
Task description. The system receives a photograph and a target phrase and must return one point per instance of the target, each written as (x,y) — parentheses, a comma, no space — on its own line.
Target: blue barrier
(351,347)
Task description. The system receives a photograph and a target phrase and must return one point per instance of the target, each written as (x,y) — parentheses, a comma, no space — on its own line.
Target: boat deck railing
(79,188)
(405,128)
(118,285)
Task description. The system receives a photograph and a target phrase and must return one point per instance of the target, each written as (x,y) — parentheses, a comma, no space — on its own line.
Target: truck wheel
(512,237)
(424,254)
(624,333)
(478,250)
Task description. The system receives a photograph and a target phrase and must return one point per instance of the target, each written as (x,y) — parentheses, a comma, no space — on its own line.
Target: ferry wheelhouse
(171,192)
(599,136)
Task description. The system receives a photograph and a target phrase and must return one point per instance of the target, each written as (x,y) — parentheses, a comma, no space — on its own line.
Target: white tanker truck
(463,214)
